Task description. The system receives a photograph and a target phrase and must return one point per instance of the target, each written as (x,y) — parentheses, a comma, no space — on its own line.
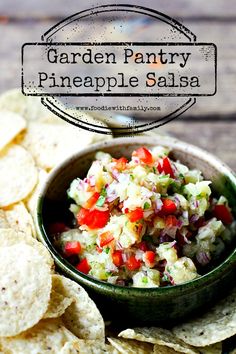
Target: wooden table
(210,123)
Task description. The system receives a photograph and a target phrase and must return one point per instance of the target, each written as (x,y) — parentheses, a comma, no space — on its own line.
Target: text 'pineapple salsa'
(147,222)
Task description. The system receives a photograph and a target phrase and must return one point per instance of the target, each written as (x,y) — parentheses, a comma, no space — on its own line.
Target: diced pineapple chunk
(182,270)
(148,278)
(167,251)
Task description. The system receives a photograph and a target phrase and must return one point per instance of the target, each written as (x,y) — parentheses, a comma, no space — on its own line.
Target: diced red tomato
(143,246)
(94,219)
(117,258)
(91,201)
(57,228)
(120,163)
(105,238)
(135,215)
(133,263)
(149,257)
(171,221)
(83,266)
(144,155)
(168,207)
(73,247)
(82,215)
(223,213)
(164,165)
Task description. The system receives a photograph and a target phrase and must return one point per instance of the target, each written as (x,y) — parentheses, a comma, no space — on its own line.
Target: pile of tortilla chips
(41,311)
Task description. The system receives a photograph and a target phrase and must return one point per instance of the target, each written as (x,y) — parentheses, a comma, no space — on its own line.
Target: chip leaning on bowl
(147,222)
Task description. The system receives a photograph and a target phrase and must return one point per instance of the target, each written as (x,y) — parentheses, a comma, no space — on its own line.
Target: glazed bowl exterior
(159,306)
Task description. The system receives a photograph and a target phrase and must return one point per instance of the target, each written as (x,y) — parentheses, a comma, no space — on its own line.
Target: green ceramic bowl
(163,306)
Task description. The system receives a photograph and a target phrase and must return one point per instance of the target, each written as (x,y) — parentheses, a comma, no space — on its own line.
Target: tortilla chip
(10,237)
(212,327)
(19,219)
(57,305)
(160,349)
(28,107)
(83,346)
(3,221)
(131,346)
(18,175)
(32,199)
(25,286)
(50,144)
(82,317)
(48,336)
(211,349)
(159,336)
(11,125)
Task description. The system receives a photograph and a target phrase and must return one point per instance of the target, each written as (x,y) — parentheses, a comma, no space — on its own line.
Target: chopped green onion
(101,201)
(145,280)
(146,205)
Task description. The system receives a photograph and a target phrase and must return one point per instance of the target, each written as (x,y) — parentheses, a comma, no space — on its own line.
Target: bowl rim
(98,284)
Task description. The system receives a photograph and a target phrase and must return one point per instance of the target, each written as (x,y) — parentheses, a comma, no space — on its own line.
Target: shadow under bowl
(160,306)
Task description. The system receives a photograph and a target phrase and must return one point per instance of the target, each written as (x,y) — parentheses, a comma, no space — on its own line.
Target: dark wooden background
(210,124)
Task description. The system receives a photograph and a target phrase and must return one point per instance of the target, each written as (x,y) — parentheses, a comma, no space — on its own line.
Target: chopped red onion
(169,277)
(158,205)
(119,246)
(139,255)
(92,181)
(194,218)
(125,257)
(147,213)
(120,282)
(186,240)
(173,243)
(179,224)
(203,258)
(115,173)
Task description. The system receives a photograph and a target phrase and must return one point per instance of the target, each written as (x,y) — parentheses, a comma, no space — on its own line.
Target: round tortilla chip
(11,125)
(32,199)
(82,317)
(3,221)
(20,219)
(25,286)
(28,107)
(50,144)
(10,237)
(212,327)
(48,336)
(131,346)
(88,347)
(57,305)
(18,175)
(211,349)
(158,336)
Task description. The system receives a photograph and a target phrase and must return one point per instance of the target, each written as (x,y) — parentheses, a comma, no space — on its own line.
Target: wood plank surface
(180,9)
(217,138)
(223,104)
(210,124)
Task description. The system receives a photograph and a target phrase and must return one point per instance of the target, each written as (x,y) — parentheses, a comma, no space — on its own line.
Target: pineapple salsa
(147,222)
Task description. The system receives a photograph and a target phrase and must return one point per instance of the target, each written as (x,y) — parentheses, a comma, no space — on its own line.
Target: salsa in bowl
(147,221)
(153,233)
